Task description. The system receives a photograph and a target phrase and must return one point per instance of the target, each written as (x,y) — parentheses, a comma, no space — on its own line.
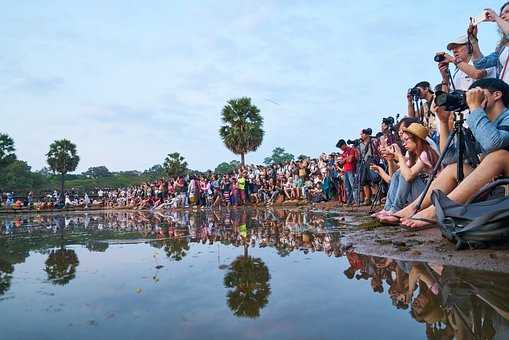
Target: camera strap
(504,69)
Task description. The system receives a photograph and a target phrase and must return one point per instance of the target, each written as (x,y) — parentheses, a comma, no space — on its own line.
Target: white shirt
(462,81)
(504,74)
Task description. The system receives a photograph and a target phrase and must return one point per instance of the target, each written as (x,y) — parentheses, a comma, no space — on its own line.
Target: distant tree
(278,156)
(45,171)
(7,149)
(62,158)
(225,168)
(97,172)
(175,165)
(133,173)
(242,131)
(16,176)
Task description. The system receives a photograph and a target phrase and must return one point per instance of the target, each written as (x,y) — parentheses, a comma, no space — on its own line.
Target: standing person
(465,73)
(349,160)
(426,117)
(367,151)
(499,58)
(241,184)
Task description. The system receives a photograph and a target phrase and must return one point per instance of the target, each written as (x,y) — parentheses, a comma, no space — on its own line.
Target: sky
(129,82)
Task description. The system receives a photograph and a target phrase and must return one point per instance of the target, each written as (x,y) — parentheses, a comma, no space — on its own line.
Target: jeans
(401,192)
(350,187)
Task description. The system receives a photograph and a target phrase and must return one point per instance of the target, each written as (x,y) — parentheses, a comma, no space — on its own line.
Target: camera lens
(439,58)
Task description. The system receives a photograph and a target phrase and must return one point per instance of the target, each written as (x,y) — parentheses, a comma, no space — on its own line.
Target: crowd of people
(391,167)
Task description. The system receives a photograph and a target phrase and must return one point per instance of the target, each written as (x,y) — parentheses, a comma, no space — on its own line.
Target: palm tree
(242,131)
(62,158)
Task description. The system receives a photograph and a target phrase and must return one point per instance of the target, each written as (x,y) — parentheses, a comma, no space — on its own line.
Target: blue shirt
(491,135)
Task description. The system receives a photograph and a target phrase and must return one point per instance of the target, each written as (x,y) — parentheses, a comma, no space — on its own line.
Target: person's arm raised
(408,173)
(492,16)
(485,132)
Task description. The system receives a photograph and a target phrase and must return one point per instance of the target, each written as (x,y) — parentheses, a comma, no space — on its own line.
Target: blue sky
(131,82)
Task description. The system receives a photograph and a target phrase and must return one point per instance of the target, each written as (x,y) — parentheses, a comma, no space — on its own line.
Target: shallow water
(243,273)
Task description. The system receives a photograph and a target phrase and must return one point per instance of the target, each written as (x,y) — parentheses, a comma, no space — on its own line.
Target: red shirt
(349,160)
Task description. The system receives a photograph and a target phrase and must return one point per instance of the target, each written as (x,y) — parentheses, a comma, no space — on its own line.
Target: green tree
(7,149)
(62,158)
(16,176)
(242,131)
(97,172)
(175,165)
(249,279)
(225,168)
(279,155)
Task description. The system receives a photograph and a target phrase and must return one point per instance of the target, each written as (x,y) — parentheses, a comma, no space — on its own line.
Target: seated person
(408,182)
(488,100)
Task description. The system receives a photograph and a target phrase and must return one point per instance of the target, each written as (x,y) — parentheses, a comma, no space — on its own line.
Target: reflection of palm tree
(6,270)
(249,277)
(61,266)
(176,249)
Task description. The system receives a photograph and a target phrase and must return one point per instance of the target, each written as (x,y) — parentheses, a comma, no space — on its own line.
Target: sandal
(428,224)
(388,219)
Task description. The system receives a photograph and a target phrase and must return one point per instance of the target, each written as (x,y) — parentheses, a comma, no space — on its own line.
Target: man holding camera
(422,91)
(488,101)
(465,73)
(368,154)
(348,159)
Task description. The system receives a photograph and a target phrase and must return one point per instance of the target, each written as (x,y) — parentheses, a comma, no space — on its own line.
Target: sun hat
(417,130)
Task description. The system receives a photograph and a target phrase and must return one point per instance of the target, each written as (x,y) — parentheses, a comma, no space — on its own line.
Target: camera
(414,92)
(439,58)
(454,101)
(388,121)
(354,142)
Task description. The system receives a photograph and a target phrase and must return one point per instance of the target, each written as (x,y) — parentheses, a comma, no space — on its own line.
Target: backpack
(473,224)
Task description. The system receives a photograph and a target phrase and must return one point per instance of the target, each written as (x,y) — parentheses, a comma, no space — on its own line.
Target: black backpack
(475,224)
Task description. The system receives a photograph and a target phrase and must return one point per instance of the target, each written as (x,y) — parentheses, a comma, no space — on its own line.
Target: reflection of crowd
(451,302)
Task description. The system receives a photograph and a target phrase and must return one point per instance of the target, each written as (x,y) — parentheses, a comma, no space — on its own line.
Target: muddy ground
(367,236)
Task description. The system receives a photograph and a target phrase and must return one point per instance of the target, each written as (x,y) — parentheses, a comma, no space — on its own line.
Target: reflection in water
(61,266)
(249,279)
(450,302)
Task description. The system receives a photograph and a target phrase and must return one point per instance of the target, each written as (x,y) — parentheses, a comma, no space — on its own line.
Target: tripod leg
(435,170)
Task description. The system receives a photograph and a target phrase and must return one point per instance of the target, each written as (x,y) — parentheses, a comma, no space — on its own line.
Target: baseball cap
(462,40)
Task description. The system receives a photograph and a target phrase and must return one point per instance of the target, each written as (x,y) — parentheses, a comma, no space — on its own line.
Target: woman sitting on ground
(408,182)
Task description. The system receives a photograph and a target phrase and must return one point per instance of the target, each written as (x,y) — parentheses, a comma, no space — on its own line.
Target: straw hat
(417,130)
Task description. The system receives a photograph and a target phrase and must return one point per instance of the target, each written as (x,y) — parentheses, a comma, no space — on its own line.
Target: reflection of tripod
(459,133)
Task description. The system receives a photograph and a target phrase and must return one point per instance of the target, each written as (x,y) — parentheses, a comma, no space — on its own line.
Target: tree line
(242,132)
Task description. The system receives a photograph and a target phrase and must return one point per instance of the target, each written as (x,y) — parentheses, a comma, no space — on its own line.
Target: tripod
(459,133)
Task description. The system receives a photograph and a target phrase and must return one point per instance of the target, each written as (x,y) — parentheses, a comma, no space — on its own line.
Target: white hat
(458,41)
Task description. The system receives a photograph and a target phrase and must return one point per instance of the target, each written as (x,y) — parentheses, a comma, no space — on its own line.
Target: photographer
(422,91)
(408,182)
(465,73)
(488,100)
(387,129)
(368,155)
(499,58)
(348,159)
